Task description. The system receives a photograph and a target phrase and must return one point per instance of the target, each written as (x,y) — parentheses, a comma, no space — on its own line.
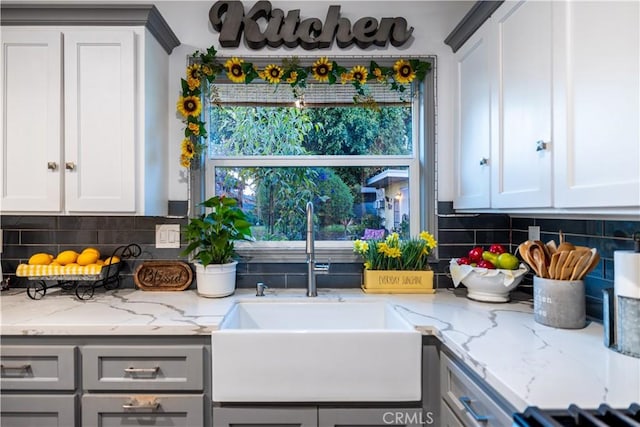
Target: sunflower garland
(205,67)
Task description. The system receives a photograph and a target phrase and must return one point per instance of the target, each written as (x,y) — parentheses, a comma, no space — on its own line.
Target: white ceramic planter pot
(216,280)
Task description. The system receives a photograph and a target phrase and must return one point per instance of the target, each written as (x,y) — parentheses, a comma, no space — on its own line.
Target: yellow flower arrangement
(205,67)
(394,253)
(404,71)
(359,74)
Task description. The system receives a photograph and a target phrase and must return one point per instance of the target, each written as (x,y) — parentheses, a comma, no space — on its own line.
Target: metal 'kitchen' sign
(229,19)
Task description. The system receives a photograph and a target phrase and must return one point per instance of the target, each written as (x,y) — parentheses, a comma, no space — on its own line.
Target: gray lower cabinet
(29,375)
(105,381)
(319,416)
(375,417)
(265,416)
(145,367)
(468,401)
(106,410)
(37,410)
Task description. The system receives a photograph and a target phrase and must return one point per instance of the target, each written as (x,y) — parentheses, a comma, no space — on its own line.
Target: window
(360,166)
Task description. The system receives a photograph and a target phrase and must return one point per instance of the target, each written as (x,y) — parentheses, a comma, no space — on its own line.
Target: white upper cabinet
(99,126)
(473,132)
(564,79)
(521,106)
(597,104)
(31,88)
(84,110)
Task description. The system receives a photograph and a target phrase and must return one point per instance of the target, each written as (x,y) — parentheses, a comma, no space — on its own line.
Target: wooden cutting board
(163,276)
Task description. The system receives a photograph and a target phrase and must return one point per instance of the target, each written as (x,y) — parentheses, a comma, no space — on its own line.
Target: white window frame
(336,251)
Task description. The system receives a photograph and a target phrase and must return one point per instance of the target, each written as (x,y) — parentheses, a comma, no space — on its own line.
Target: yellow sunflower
(193,71)
(293,77)
(187,148)
(379,76)
(346,78)
(234,70)
(185,161)
(273,73)
(189,106)
(193,83)
(194,128)
(207,70)
(404,71)
(321,69)
(359,74)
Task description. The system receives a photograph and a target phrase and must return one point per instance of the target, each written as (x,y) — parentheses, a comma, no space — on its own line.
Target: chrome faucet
(312,267)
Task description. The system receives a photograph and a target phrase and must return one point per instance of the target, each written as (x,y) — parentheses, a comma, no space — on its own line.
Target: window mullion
(312,161)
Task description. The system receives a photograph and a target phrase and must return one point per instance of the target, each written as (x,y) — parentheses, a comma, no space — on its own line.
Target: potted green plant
(210,238)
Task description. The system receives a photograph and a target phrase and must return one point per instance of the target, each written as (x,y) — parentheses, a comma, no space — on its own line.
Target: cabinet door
(521,106)
(31,120)
(134,410)
(597,104)
(473,124)
(374,417)
(100,147)
(36,410)
(275,416)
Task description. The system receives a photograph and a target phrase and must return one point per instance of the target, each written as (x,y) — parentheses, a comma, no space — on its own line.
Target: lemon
(71,265)
(54,264)
(87,257)
(90,249)
(67,257)
(40,259)
(99,262)
(111,260)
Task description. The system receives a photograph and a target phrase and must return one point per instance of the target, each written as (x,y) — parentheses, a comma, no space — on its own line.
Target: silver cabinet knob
(52,166)
(484,161)
(541,145)
(70,166)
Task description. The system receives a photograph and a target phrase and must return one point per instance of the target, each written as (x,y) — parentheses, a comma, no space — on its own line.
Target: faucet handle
(260,287)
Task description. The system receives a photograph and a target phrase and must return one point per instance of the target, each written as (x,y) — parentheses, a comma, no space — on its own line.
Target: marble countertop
(526,362)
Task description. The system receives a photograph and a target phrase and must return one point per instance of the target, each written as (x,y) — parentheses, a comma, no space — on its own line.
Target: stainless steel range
(604,416)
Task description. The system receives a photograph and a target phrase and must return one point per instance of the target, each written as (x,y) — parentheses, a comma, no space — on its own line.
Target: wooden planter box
(398,282)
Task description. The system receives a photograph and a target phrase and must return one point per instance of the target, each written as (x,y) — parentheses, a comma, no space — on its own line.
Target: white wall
(432,22)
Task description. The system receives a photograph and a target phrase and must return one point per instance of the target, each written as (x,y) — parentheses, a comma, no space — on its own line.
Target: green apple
(507,261)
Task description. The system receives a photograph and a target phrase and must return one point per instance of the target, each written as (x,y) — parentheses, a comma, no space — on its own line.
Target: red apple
(463,261)
(475,254)
(486,264)
(497,249)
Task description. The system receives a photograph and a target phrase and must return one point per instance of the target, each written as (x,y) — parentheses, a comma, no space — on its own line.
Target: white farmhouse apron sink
(315,352)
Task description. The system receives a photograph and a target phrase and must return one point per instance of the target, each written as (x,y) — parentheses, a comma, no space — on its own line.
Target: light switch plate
(167,236)
(534,232)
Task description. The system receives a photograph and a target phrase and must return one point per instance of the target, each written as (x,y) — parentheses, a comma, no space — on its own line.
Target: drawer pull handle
(136,404)
(132,370)
(25,367)
(466,402)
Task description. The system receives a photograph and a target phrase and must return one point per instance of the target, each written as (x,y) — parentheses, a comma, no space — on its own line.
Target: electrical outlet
(167,236)
(534,232)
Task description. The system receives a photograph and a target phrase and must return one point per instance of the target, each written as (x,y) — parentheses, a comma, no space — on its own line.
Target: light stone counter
(528,363)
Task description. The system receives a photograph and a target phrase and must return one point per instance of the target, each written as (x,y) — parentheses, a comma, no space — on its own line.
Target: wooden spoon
(593,262)
(583,261)
(568,265)
(523,248)
(551,246)
(564,246)
(562,257)
(554,265)
(539,259)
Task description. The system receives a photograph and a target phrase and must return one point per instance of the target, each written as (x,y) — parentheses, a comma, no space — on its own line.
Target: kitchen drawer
(37,367)
(467,399)
(448,418)
(143,410)
(37,410)
(154,368)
